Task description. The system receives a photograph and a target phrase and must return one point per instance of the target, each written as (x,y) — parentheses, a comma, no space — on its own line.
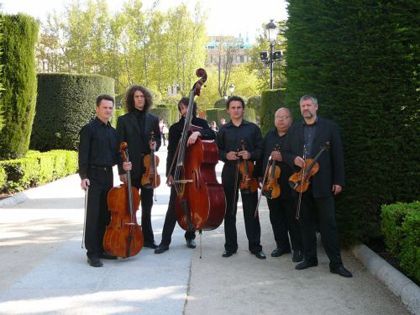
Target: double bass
(200,203)
(123,236)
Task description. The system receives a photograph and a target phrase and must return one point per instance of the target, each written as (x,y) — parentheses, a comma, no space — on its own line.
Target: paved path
(44,269)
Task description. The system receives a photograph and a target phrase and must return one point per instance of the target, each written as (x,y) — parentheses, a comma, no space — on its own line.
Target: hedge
(36,168)
(65,103)
(271,100)
(359,60)
(17,103)
(401,229)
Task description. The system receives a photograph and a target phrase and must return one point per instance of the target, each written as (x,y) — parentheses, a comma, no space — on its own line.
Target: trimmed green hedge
(36,168)
(401,229)
(165,113)
(17,103)
(271,100)
(65,103)
(215,114)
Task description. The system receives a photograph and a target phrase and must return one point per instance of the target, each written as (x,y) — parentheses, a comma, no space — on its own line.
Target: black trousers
(170,222)
(97,214)
(249,203)
(146,195)
(324,209)
(284,224)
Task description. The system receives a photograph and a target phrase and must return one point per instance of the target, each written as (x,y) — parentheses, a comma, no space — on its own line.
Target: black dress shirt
(308,136)
(230,136)
(99,146)
(175,133)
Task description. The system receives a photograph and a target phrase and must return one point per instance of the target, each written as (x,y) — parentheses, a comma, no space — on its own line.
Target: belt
(102,168)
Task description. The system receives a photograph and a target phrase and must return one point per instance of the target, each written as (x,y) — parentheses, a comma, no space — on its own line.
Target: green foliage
(17,104)
(401,229)
(135,45)
(164,113)
(216,114)
(220,103)
(345,54)
(271,100)
(250,115)
(65,104)
(36,168)
(254,102)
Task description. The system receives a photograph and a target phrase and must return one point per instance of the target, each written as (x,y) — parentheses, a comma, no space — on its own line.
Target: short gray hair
(309,97)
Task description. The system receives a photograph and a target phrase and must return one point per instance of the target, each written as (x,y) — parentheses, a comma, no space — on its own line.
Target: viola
(150,178)
(271,188)
(123,236)
(248,183)
(300,181)
(200,203)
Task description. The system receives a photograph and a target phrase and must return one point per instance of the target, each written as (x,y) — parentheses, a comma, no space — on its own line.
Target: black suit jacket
(331,162)
(128,130)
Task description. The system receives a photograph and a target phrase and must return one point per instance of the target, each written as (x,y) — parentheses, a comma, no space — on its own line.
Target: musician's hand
(127,166)
(123,178)
(85,183)
(193,137)
(244,154)
(152,145)
(299,162)
(232,156)
(276,156)
(336,189)
(170,180)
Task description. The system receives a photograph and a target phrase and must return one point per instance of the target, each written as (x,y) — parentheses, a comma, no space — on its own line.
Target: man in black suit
(306,138)
(135,128)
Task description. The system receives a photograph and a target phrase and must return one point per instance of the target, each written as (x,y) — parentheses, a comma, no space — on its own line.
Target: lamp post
(231,88)
(272,56)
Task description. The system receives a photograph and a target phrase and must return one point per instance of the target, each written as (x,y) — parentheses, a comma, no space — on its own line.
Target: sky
(224,17)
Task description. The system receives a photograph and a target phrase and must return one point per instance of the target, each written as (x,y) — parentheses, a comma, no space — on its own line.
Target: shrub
(65,103)
(271,100)
(220,103)
(401,229)
(17,104)
(36,168)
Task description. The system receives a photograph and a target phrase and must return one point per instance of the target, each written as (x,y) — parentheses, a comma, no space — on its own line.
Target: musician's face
(183,109)
(282,120)
(308,109)
(139,100)
(104,110)
(235,110)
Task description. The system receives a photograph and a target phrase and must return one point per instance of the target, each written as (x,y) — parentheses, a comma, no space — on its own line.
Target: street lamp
(231,88)
(270,58)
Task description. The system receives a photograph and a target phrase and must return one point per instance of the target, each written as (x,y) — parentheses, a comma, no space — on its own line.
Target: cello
(200,202)
(123,236)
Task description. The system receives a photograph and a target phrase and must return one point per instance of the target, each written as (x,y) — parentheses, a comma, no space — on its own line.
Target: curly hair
(129,98)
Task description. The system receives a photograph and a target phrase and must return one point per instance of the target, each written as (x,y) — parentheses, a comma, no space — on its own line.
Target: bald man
(282,209)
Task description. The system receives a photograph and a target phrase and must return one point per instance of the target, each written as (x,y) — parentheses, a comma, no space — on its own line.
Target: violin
(300,181)
(271,188)
(123,236)
(151,178)
(246,168)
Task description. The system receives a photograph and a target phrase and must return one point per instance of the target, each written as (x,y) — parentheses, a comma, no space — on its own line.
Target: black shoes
(161,249)
(278,252)
(306,264)
(191,244)
(228,253)
(107,256)
(340,270)
(94,262)
(150,245)
(260,254)
(297,256)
